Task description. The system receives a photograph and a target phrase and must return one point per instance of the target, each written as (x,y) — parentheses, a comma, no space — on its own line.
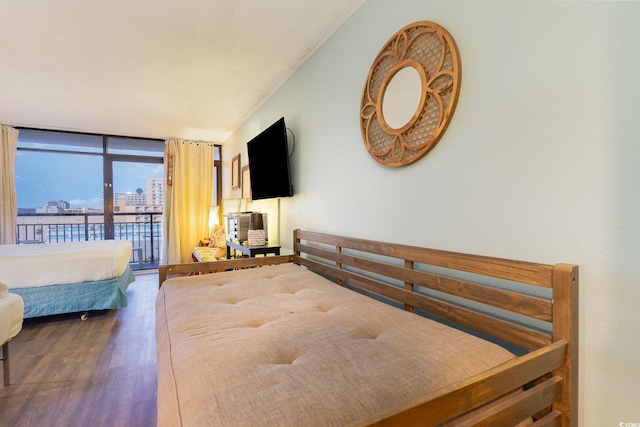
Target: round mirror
(401,97)
(410,94)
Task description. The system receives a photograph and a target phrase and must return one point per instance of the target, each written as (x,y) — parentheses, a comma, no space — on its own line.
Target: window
(77,186)
(66,192)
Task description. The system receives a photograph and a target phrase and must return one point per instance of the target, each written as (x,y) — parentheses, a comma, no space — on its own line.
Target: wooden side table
(251,251)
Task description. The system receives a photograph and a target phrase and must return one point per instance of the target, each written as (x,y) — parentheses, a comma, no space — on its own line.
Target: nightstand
(251,251)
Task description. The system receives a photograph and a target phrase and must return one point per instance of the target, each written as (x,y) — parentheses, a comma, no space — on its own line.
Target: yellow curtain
(188,185)
(8,198)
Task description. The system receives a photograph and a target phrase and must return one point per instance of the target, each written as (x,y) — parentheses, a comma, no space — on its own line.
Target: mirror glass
(401,98)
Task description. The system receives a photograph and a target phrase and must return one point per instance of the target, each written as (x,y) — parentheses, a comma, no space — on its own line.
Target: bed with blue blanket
(72,277)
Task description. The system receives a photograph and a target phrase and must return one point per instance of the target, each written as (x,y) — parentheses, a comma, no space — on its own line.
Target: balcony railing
(142,229)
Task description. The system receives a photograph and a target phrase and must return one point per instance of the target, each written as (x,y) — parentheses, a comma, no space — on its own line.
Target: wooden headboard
(426,279)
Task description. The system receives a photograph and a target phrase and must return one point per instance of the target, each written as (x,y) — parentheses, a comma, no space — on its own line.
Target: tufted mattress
(282,346)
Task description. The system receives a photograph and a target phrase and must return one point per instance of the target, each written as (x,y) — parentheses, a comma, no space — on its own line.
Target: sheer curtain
(189,181)
(8,199)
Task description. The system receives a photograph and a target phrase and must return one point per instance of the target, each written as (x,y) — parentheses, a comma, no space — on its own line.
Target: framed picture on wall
(246,183)
(235,173)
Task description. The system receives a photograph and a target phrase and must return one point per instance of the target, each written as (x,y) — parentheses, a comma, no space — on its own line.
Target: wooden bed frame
(459,288)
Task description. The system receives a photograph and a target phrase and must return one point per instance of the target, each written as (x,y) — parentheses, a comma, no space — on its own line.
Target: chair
(215,250)
(137,251)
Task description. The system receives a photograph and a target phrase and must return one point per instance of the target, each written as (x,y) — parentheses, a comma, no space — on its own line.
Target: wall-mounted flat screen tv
(269,163)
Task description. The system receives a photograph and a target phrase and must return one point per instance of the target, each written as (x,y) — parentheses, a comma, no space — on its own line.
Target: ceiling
(194,69)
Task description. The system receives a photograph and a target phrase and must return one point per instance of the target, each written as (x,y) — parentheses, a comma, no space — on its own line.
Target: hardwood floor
(97,372)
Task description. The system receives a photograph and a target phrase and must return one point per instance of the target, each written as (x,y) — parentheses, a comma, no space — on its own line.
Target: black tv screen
(269,163)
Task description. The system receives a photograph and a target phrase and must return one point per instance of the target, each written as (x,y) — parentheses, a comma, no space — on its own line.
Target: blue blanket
(76,297)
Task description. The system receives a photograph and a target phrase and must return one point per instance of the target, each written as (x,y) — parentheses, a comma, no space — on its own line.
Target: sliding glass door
(134,179)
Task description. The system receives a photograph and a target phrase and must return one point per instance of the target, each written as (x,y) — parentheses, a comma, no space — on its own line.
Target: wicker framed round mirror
(420,57)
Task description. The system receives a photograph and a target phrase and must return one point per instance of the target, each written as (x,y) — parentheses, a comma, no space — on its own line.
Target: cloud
(96,202)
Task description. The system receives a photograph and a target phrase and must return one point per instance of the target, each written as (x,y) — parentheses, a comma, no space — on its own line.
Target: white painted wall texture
(540,161)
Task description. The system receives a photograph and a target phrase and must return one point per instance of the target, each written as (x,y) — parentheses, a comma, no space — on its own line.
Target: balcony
(142,229)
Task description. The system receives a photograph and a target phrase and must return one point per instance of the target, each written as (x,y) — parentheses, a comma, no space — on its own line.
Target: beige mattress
(282,346)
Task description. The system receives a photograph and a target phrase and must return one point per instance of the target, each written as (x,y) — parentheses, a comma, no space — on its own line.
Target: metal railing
(142,229)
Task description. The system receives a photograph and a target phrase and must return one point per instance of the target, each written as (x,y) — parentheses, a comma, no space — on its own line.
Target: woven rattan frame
(431,50)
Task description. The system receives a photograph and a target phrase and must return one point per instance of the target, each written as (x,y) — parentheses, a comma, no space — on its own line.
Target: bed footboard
(191,268)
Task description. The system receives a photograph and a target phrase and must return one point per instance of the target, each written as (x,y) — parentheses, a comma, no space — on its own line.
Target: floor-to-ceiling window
(76,186)
(59,184)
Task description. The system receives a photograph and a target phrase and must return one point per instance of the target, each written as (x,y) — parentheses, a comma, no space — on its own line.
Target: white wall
(539,162)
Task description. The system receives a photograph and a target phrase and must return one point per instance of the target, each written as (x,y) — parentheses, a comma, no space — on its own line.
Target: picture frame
(246,183)
(235,172)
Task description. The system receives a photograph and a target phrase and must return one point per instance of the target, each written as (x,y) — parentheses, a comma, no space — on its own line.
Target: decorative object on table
(410,94)
(256,235)
(235,173)
(237,225)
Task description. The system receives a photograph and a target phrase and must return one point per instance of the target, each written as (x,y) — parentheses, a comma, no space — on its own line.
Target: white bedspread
(23,266)
(11,313)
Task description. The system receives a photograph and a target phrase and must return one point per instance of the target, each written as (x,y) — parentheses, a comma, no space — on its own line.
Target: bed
(11,311)
(72,277)
(356,332)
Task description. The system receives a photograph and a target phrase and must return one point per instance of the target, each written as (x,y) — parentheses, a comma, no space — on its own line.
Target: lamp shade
(255,223)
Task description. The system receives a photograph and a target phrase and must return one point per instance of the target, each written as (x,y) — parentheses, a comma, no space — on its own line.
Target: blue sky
(77,179)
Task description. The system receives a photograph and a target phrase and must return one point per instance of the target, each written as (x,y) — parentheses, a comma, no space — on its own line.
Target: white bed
(68,277)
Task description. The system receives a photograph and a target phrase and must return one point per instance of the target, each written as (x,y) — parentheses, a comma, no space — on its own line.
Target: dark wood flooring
(92,373)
